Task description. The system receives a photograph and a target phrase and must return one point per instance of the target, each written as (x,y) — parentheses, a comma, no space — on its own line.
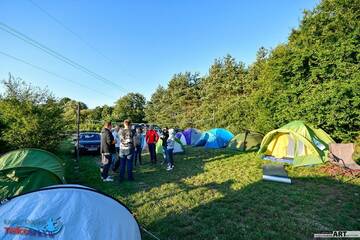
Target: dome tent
(26,170)
(192,135)
(181,137)
(246,141)
(67,212)
(297,142)
(215,138)
(178,147)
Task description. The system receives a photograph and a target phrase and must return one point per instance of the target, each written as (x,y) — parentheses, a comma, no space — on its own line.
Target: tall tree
(130,106)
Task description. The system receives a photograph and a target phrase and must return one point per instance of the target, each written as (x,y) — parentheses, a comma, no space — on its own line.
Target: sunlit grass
(219,194)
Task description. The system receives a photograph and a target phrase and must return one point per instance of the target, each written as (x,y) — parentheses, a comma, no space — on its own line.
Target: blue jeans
(170,157)
(137,154)
(126,158)
(152,150)
(164,153)
(106,167)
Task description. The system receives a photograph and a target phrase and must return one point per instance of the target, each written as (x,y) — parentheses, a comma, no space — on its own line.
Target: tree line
(314,77)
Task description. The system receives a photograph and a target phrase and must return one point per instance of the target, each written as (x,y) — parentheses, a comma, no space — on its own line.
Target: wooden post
(78,135)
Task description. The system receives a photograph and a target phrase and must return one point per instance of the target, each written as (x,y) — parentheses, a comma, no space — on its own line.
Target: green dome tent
(246,141)
(297,142)
(26,170)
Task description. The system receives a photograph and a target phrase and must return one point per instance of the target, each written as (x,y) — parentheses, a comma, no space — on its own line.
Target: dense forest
(314,77)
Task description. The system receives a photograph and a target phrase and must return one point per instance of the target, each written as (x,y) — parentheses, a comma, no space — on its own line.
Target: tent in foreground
(178,147)
(192,135)
(26,170)
(67,212)
(246,141)
(297,143)
(215,138)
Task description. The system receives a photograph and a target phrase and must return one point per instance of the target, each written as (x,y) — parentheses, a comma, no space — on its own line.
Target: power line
(55,54)
(74,33)
(51,73)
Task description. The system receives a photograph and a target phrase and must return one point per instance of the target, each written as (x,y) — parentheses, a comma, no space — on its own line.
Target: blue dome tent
(215,138)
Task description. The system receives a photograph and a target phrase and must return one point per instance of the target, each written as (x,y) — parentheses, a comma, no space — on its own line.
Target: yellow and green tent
(298,141)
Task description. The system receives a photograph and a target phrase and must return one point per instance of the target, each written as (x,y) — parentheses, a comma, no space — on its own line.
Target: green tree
(32,117)
(130,106)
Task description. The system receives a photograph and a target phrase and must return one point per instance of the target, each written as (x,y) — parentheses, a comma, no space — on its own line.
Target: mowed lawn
(219,194)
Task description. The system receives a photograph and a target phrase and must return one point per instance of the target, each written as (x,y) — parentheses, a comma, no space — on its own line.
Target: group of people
(122,147)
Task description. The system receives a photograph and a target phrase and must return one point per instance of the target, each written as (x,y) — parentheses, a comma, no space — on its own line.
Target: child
(170,150)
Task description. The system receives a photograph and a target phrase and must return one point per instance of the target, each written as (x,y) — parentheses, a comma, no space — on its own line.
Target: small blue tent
(215,138)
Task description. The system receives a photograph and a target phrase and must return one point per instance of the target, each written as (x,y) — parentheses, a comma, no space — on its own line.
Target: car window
(89,137)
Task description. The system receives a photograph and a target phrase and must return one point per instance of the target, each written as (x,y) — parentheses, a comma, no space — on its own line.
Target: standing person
(170,150)
(164,137)
(116,161)
(138,142)
(107,148)
(151,138)
(126,151)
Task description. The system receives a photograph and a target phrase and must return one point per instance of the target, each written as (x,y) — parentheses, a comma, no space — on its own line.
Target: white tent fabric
(66,212)
(178,148)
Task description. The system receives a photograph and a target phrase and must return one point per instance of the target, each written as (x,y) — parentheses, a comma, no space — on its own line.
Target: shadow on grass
(147,176)
(267,210)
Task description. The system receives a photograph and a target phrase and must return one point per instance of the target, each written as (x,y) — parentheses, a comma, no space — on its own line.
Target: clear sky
(138,44)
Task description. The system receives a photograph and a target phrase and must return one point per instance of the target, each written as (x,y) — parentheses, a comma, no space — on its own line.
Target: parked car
(89,142)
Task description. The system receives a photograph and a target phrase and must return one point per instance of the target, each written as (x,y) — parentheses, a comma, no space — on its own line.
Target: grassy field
(219,194)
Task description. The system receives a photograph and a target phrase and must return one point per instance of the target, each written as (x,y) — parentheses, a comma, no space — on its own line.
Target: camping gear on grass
(215,138)
(341,154)
(27,170)
(298,141)
(192,135)
(67,212)
(275,173)
(178,147)
(246,141)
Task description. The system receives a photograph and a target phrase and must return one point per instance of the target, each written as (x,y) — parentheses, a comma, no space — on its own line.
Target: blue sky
(144,42)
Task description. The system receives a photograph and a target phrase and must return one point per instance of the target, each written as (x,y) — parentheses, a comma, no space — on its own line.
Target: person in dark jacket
(126,150)
(164,137)
(107,148)
(138,144)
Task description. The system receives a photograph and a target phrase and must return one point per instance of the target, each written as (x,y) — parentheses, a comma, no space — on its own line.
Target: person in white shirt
(115,157)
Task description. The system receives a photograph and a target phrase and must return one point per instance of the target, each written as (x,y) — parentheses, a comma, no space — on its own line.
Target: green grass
(219,194)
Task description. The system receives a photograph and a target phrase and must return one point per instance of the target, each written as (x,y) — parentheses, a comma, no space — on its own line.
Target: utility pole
(78,135)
